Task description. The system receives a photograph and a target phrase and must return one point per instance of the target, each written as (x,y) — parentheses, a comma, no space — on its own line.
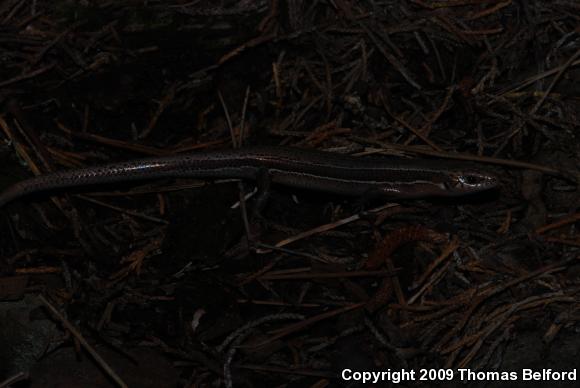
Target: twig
(78,336)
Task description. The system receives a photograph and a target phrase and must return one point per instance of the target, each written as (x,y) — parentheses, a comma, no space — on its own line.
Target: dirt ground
(163,283)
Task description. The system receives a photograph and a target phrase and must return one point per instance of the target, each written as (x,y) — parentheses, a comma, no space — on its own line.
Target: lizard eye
(469,179)
(472,181)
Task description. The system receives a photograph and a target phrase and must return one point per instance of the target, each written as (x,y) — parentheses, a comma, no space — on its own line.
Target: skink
(301,168)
